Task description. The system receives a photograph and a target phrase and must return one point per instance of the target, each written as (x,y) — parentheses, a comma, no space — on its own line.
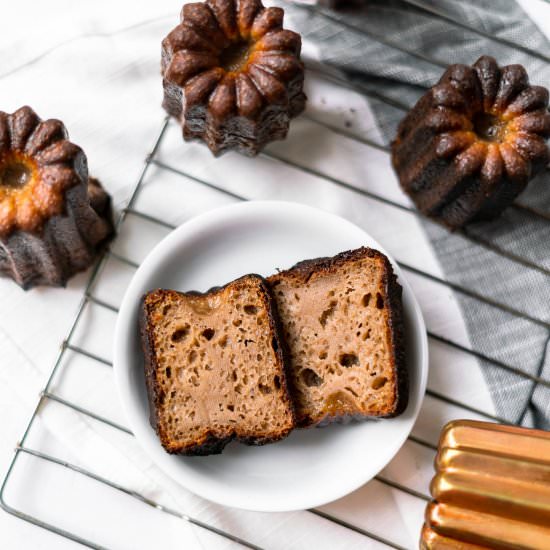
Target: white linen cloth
(96,67)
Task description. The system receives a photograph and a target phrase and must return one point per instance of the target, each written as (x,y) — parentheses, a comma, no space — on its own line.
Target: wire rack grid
(153,165)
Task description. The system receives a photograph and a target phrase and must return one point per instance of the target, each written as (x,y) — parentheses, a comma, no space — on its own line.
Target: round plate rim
(121,366)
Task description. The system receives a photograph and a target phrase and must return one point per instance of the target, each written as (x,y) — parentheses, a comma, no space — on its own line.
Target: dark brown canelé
(472,143)
(232,75)
(53,218)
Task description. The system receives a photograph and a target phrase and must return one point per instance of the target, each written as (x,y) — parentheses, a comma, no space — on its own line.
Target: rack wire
(48,394)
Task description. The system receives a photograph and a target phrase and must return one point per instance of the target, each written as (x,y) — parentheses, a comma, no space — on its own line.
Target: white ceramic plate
(310,467)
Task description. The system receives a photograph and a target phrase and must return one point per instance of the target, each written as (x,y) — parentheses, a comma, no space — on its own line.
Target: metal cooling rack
(48,395)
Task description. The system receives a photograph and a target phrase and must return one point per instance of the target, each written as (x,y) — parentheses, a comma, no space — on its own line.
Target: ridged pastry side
(472,143)
(232,74)
(54,219)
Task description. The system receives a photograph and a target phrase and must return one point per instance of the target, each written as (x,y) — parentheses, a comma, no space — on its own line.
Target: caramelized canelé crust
(232,75)
(472,142)
(53,217)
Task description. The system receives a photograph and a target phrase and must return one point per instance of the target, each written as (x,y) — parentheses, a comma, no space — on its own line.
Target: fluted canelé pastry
(491,489)
(232,75)
(472,143)
(53,218)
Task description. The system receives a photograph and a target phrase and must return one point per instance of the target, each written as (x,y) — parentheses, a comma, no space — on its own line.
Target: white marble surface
(95,66)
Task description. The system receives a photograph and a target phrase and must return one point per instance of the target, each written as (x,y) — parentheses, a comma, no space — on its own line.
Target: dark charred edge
(282,352)
(210,444)
(102,204)
(304,270)
(394,293)
(207,445)
(150,365)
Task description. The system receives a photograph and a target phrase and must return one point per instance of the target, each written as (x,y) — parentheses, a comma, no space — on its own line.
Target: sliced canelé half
(342,319)
(214,367)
